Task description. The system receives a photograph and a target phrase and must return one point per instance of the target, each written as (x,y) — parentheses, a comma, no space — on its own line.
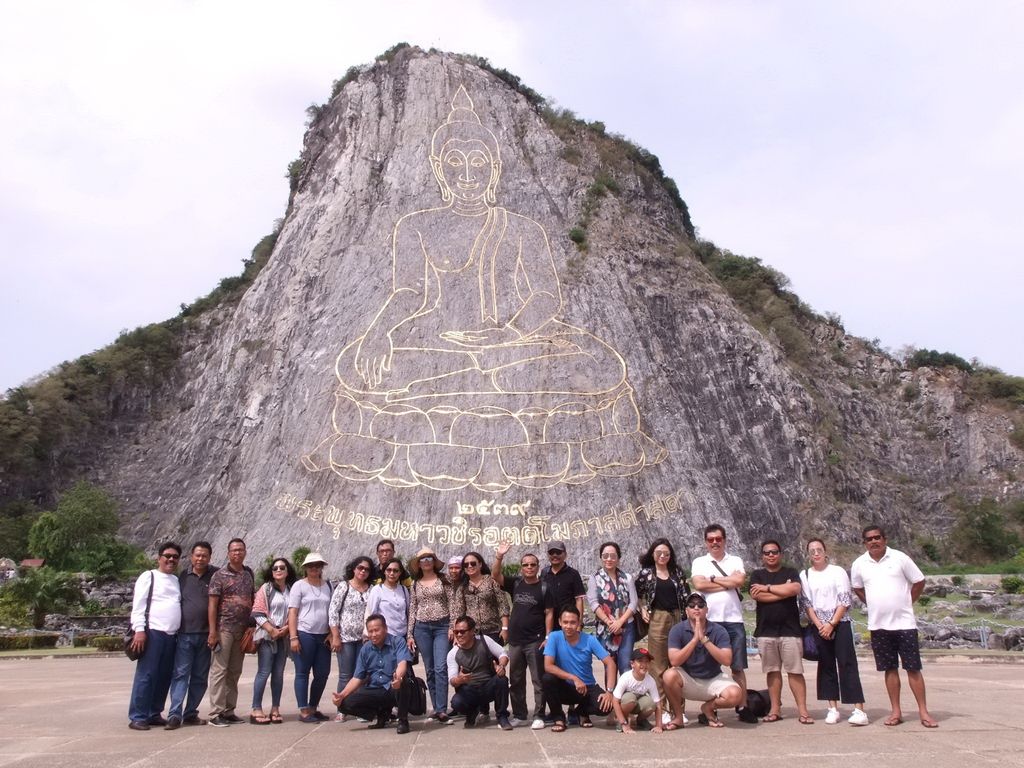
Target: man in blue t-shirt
(697,651)
(568,672)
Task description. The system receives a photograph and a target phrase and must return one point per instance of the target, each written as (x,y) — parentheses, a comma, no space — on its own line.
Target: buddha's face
(466,168)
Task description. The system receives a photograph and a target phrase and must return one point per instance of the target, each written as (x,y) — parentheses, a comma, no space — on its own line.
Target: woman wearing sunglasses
(661,592)
(478,596)
(390,599)
(345,618)
(270,611)
(430,619)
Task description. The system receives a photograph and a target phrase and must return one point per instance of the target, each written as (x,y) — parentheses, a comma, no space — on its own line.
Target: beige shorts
(696,689)
(644,704)
(781,654)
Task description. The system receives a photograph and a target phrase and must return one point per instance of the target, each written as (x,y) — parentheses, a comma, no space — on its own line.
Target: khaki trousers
(657,643)
(225,669)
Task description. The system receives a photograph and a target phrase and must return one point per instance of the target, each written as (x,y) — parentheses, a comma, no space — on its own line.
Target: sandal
(672,726)
(275,718)
(774,717)
(558,727)
(893,721)
(805,720)
(585,721)
(929,723)
(259,719)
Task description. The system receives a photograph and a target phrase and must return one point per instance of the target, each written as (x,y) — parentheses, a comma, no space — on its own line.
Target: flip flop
(259,719)
(893,721)
(585,721)
(672,726)
(715,723)
(558,727)
(275,718)
(806,720)
(772,718)
(929,723)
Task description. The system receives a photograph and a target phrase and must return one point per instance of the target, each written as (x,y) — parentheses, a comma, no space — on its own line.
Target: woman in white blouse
(390,598)
(827,598)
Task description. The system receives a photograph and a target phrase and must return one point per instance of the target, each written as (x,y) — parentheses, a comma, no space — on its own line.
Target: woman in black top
(661,594)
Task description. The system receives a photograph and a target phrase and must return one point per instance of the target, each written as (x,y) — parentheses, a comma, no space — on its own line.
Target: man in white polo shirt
(888,582)
(719,577)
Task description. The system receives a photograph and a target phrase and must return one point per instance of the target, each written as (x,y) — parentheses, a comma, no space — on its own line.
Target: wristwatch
(713,577)
(705,640)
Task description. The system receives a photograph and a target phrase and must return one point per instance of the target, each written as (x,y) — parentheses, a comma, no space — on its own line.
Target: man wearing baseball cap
(563,580)
(697,651)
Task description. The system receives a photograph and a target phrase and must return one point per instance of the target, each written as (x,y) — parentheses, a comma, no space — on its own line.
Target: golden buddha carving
(467,376)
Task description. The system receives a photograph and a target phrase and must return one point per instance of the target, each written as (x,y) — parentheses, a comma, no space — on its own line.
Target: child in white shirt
(637,692)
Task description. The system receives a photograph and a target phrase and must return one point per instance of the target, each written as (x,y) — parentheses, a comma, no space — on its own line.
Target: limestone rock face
(428,357)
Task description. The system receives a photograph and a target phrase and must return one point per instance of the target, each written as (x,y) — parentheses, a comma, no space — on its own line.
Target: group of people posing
(478,632)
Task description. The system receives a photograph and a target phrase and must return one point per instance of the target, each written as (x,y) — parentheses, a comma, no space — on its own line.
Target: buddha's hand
(483,337)
(373,358)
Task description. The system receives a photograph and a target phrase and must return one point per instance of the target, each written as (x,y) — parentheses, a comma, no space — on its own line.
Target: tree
(41,591)
(85,521)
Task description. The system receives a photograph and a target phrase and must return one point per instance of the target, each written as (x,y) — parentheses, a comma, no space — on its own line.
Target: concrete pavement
(59,712)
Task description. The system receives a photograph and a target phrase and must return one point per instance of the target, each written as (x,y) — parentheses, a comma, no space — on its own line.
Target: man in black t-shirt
(530,622)
(563,580)
(776,589)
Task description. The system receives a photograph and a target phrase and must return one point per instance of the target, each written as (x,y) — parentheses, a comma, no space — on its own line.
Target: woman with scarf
(612,597)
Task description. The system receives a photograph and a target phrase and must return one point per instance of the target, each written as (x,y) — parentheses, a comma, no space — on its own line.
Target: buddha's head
(464,155)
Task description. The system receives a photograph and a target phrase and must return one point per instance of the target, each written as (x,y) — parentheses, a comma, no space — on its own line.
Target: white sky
(871,151)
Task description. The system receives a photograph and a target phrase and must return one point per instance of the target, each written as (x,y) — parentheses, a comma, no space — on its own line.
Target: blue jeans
(313,656)
(271,657)
(432,641)
(191,670)
(152,677)
(625,649)
(346,658)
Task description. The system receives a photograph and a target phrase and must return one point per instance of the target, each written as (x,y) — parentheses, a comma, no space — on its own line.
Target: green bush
(958,580)
(578,235)
(933,359)
(924,600)
(26,642)
(107,643)
(1012,585)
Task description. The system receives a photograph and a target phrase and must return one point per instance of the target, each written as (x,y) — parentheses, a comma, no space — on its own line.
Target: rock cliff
(429,356)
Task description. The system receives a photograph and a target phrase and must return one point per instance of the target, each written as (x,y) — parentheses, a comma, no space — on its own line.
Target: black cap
(641,654)
(696,600)
(558,546)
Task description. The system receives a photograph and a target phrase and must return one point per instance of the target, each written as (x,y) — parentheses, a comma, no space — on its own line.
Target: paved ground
(72,712)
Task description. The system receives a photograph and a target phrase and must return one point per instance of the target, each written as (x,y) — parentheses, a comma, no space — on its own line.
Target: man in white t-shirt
(888,582)
(719,577)
(637,692)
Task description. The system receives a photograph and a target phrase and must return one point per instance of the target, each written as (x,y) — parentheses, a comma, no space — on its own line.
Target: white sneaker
(538,725)
(833,716)
(666,718)
(339,718)
(859,717)
(686,720)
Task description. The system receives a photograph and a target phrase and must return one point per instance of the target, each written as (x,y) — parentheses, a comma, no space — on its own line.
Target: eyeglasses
(876,537)
(315,565)
(459,631)
(662,554)
(529,565)
(714,539)
(610,556)
(770,552)
(392,570)
(555,553)
(171,557)
(362,568)
(816,551)
(427,559)
(470,564)
(700,604)
(279,568)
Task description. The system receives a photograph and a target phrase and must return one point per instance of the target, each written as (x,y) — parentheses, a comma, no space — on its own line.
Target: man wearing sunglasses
(156,618)
(563,580)
(720,576)
(776,589)
(889,583)
(476,669)
(531,621)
